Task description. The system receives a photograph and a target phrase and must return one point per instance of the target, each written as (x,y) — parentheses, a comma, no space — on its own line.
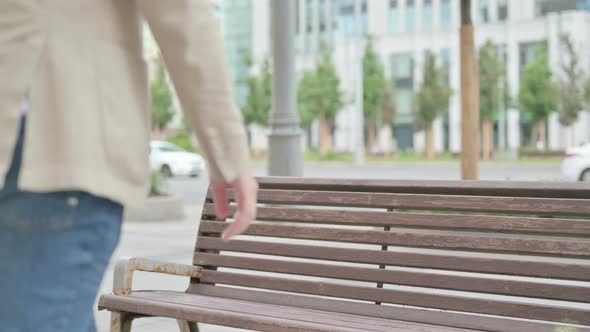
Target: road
(193,190)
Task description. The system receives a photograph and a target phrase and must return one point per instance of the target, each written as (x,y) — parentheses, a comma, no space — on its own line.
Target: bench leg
(121,322)
(187,326)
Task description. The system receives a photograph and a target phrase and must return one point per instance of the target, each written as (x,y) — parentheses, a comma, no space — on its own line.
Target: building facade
(403,32)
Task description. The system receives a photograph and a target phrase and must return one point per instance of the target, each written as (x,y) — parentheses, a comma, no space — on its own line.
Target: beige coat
(81,64)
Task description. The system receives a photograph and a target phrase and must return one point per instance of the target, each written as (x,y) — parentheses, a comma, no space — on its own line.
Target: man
(74,131)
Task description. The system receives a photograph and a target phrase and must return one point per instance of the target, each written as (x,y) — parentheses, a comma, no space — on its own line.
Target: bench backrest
(381,248)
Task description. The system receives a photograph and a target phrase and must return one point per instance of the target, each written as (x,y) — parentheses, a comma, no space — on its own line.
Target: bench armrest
(123,278)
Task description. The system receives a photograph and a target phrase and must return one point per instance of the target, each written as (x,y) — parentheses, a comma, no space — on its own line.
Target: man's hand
(245,189)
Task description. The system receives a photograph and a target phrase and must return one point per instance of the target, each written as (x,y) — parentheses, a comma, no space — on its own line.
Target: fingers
(246,191)
(221,201)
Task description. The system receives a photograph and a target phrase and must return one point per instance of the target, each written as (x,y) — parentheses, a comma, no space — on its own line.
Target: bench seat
(255,315)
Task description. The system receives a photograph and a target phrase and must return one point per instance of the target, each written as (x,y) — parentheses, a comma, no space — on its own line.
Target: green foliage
(157,183)
(433,96)
(259,102)
(491,70)
(319,93)
(571,92)
(538,94)
(374,84)
(387,104)
(183,141)
(587,92)
(161,100)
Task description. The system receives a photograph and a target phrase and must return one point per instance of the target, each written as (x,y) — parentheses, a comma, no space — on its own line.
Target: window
(402,67)
(544,7)
(394,17)
(502,10)
(344,12)
(445,13)
(428,19)
(484,15)
(324,18)
(445,55)
(410,16)
(583,5)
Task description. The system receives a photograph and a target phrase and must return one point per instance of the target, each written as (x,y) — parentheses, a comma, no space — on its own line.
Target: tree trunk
(534,135)
(372,136)
(430,150)
(325,136)
(388,146)
(543,134)
(469,97)
(488,139)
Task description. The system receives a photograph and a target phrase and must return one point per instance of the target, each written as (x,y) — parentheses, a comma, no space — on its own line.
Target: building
(403,31)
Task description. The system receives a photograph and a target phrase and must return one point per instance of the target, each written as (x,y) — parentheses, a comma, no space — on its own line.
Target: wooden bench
(367,255)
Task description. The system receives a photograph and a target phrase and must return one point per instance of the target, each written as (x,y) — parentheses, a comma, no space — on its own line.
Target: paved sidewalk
(169,241)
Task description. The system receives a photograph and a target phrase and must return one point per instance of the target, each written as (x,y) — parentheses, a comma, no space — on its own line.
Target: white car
(576,165)
(171,160)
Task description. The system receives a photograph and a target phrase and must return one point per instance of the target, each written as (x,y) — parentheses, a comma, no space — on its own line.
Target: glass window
(484,15)
(583,5)
(446,15)
(544,7)
(445,55)
(394,17)
(402,66)
(428,19)
(344,13)
(410,16)
(502,10)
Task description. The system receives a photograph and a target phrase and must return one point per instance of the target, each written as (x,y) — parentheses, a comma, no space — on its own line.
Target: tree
(539,94)
(571,100)
(469,97)
(161,100)
(320,98)
(431,100)
(259,101)
(587,92)
(374,85)
(491,71)
(387,112)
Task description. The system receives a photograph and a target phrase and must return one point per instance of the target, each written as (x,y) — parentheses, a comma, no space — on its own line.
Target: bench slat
(419,279)
(442,187)
(491,204)
(448,261)
(504,224)
(412,298)
(416,240)
(444,318)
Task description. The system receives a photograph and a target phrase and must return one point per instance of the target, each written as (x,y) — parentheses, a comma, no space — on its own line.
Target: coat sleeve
(189,36)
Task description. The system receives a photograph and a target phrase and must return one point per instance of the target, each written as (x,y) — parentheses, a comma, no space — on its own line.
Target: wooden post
(469,97)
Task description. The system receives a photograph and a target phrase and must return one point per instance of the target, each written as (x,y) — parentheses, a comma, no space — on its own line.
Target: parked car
(171,160)
(576,164)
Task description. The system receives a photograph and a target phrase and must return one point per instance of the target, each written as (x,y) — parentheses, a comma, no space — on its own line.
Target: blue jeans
(54,250)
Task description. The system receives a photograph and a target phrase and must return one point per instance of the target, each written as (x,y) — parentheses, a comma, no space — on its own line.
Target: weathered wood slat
(488,223)
(491,204)
(206,314)
(553,270)
(444,187)
(416,240)
(447,302)
(430,280)
(307,315)
(443,318)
